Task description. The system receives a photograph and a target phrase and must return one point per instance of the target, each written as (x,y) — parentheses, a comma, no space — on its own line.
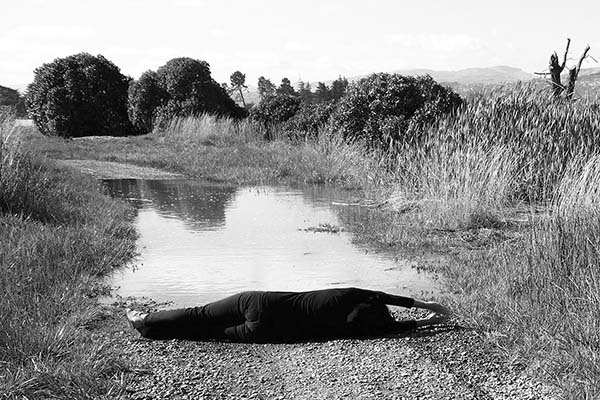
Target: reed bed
(458,187)
(542,133)
(539,298)
(536,295)
(207,129)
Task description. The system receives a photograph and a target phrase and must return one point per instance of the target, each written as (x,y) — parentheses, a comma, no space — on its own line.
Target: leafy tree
(381,107)
(338,88)
(145,96)
(322,93)
(265,87)
(286,88)
(238,83)
(305,92)
(79,95)
(181,87)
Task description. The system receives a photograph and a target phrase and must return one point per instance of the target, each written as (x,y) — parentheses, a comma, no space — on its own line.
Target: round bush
(275,108)
(80,95)
(381,107)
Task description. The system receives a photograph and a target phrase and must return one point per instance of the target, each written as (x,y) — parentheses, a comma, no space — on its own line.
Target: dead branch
(574,73)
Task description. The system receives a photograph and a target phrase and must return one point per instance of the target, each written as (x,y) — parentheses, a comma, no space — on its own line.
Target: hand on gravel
(434,318)
(135,318)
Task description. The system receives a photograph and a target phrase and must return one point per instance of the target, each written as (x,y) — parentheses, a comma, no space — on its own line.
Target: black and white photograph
(311,200)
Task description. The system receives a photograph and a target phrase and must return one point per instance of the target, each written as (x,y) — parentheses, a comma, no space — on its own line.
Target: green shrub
(80,95)
(381,107)
(309,119)
(276,108)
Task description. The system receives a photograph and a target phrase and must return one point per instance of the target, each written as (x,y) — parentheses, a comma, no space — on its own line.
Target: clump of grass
(458,188)
(58,234)
(209,130)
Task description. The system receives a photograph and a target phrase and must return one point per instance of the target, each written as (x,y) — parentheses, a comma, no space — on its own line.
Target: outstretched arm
(408,302)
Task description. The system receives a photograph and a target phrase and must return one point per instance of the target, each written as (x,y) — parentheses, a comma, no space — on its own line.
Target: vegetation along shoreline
(502,184)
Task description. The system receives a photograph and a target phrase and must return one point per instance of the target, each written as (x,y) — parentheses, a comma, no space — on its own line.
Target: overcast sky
(310,40)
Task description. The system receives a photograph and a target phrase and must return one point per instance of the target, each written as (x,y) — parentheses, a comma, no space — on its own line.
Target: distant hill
(589,75)
(486,76)
(468,76)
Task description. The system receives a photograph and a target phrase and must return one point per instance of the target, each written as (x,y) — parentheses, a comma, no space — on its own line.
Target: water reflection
(199,206)
(199,243)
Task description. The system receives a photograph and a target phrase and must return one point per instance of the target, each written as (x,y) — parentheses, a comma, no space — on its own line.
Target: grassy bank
(58,234)
(539,297)
(226,151)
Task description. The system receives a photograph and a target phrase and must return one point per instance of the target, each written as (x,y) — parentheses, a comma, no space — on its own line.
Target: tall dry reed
(543,134)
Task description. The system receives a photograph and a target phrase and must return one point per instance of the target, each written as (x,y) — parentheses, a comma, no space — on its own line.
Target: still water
(199,243)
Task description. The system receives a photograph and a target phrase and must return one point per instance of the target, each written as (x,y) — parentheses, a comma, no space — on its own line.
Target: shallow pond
(199,243)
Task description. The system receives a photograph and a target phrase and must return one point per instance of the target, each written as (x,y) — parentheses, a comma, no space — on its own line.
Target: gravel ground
(444,363)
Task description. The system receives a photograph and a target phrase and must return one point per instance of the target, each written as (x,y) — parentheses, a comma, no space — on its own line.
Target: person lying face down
(259,317)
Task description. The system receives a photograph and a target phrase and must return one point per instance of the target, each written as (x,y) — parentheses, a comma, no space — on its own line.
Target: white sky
(310,39)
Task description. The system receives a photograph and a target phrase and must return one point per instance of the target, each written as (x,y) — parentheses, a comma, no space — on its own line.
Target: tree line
(83,95)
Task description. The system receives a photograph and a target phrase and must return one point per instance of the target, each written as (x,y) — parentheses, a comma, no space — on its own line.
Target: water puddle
(199,243)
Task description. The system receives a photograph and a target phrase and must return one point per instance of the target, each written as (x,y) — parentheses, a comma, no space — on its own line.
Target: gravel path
(445,363)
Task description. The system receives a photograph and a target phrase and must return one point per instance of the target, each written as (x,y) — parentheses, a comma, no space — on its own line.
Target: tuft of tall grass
(208,129)
(458,187)
(58,234)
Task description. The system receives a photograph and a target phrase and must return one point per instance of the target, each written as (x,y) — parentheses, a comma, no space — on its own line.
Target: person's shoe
(135,318)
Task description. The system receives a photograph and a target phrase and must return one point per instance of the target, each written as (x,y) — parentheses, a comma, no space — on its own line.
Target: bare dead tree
(555,70)
(574,73)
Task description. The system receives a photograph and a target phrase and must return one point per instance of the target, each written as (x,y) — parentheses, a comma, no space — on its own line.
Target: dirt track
(115,170)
